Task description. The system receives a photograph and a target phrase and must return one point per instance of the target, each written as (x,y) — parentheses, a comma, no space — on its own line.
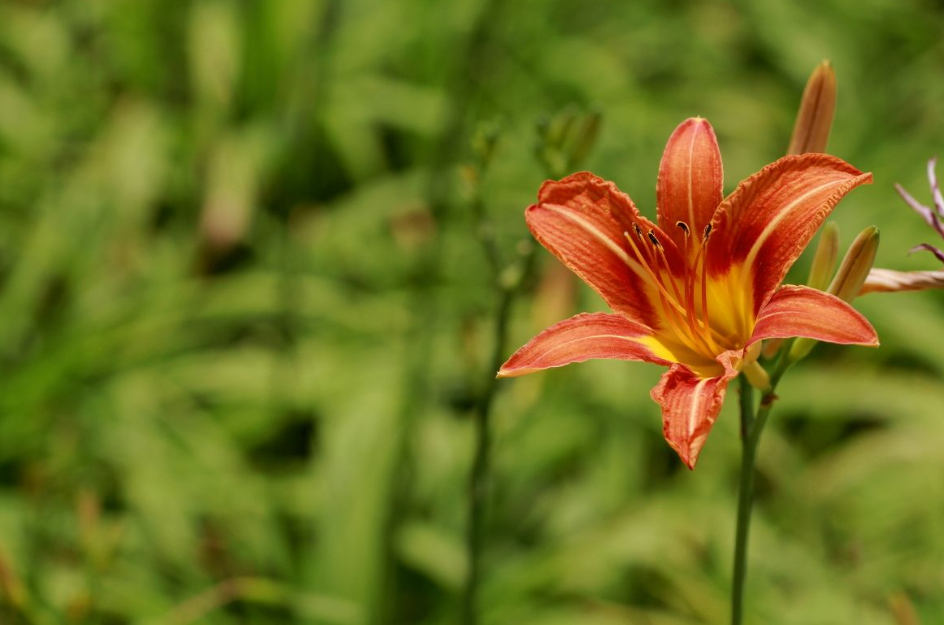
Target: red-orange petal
(691,179)
(770,218)
(582,337)
(690,406)
(805,312)
(582,220)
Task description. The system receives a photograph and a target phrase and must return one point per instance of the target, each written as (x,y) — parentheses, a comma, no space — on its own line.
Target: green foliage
(243,316)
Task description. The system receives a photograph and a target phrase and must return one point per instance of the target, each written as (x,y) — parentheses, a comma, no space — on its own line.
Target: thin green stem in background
(752,426)
(510,283)
(478,478)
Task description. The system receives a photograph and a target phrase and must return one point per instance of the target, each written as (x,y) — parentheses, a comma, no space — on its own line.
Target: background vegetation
(244,317)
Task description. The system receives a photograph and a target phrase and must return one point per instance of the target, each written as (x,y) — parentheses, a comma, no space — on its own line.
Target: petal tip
(688,451)
(694,123)
(508,370)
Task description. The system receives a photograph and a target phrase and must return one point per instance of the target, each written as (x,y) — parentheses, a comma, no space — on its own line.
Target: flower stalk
(752,426)
(810,134)
(567,142)
(484,144)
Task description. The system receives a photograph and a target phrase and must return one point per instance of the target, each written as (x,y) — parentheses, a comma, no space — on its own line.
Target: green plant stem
(745,500)
(752,426)
(462,75)
(478,478)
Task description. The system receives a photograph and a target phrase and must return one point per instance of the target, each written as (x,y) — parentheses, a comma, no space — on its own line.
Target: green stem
(478,479)
(745,500)
(752,426)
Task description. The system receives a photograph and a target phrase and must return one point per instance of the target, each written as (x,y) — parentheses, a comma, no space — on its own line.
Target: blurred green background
(244,317)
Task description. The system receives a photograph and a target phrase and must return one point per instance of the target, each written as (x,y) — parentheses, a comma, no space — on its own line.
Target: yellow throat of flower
(701,316)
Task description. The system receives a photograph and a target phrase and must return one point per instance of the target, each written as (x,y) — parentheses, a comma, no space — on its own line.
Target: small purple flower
(932,216)
(889,280)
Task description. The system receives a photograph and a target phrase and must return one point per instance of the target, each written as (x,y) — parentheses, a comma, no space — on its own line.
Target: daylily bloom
(697,291)
(889,280)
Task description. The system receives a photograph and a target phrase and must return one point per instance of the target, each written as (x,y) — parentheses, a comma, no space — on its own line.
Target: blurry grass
(211,219)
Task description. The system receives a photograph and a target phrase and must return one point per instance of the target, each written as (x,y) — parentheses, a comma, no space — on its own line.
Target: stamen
(689,276)
(704,280)
(685,306)
(638,231)
(664,265)
(653,278)
(674,313)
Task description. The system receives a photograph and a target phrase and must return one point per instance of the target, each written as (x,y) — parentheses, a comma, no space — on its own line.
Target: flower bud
(560,127)
(483,143)
(757,376)
(824,262)
(856,265)
(584,139)
(815,117)
(849,279)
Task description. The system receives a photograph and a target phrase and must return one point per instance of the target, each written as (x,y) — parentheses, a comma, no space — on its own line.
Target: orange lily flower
(698,291)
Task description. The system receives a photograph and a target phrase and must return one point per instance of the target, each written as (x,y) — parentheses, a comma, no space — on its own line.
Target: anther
(707,231)
(654,240)
(638,231)
(683,226)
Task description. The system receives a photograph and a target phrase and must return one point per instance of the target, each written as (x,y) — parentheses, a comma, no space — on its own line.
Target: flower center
(699,315)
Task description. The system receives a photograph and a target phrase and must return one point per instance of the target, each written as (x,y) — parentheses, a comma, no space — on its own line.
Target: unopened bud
(849,279)
(483,143)
(561,126)
(824,261)
(824,264)
(584,139)
(856,265)
(757,376)
(815,117)
(771,347)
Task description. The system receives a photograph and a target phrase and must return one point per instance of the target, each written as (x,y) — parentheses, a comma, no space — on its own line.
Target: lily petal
(582,220)
(690,179)
(804,312)
(930,248)
(767,222)
(690,406)
(891,281)
(929,216)
(582,337)
(935,189)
